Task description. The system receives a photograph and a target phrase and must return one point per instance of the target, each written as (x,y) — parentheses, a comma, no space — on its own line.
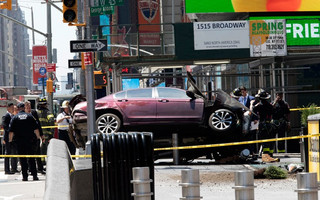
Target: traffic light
(70,11)
(49,86)
(7,5)
(100,79)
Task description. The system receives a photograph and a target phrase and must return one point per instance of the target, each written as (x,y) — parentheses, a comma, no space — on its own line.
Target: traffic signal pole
(49,50)
(91,118)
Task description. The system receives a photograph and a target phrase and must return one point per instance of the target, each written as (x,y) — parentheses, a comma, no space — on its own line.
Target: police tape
(183,147)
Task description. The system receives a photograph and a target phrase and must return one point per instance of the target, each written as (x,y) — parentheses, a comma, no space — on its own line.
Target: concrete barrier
(59,168)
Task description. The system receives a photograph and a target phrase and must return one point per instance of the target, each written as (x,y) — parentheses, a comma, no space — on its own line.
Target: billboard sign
(221,35)
(148,14)
(39,62)
(210,6)
(268,38)
(303,32)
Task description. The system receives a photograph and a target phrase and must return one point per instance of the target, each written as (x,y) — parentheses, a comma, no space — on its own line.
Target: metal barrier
(244,186)
(190,182)
(141,183)
(112,172)
(307,186)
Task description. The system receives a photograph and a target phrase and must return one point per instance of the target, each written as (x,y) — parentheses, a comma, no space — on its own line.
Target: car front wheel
(222,120)
(108,123)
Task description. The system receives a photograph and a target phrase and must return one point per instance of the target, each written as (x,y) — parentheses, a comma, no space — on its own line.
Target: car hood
(224,99)
(192,87)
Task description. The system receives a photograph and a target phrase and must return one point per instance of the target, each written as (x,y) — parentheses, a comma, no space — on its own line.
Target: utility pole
(91,118)
(49,50)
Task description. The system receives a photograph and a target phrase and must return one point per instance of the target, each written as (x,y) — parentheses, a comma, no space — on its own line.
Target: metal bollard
(190,182)
(307,186)
(141,183)
(244,186)
(175,143)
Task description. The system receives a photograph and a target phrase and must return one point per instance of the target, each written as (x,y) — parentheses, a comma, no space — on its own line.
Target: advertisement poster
(221,35)
(211,6)
(148,14)
(303,32)
(268,38)
(39,62)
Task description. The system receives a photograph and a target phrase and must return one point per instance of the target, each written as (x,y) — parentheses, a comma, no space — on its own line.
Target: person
(46,118)
(281,118)
(245,98)
(10,147)
(264,111)
(236,93)
(24,126)
(15,110)
(64,120)
(36,144)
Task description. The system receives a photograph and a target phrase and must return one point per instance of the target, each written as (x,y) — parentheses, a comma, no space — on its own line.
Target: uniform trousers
(27,163)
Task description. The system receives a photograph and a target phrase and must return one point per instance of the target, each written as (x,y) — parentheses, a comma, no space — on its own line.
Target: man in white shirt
(63,121)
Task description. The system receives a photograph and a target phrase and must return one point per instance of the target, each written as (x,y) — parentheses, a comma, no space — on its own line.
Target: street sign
(114,2)
(42,71)
(87,58)
(88,45)
(101,10)
(51,67)
(74,63)
(39,60)
(42,81)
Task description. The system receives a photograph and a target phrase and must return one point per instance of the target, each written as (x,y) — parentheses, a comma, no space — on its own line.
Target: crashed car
(163,106)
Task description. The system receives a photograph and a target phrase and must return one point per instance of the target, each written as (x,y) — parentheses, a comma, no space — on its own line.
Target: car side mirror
(190,94)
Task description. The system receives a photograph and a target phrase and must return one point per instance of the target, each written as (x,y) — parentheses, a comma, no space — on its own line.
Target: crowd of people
(268,119)
(24,135)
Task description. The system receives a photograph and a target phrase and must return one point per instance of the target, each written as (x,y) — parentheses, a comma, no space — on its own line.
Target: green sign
(303,32)
(114,2)
(101,10)
(208,6)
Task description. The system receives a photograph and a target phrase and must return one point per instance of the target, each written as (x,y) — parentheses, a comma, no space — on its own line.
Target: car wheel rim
(221,120)
(108,124)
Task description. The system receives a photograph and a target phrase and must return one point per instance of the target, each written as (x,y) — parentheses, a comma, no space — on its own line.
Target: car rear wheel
(108,123)
(222,120)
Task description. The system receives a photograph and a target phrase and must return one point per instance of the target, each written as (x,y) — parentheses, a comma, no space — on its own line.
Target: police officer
(46,118)
(24,126)
(264,111)
(281,118)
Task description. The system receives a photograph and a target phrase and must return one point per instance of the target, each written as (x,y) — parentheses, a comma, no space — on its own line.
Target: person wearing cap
(64,120)
(46,119)
(264,110)
(10,147)
(24,126)
(281,119)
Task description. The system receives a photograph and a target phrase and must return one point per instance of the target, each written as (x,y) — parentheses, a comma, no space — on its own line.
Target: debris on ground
(274,172)
(293,168)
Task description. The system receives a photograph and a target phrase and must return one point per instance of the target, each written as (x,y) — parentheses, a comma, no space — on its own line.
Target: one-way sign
(88,45)
(74,63)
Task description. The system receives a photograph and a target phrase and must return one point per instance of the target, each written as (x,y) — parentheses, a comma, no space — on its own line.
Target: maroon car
(161,106)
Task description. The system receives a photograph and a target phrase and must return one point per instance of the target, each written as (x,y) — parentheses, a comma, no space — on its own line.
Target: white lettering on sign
(98,45)
(39,59)
(307,31)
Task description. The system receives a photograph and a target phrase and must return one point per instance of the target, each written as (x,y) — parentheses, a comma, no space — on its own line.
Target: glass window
(120,95)
(140,93)
(172,93)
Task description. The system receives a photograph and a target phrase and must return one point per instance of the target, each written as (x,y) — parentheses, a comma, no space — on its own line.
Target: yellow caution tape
(235,143)
(296,109)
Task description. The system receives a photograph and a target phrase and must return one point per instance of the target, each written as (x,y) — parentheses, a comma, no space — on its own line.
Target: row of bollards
(244,185)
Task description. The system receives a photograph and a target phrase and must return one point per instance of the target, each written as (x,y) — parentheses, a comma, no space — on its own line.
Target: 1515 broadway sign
(268,38)
(221,35)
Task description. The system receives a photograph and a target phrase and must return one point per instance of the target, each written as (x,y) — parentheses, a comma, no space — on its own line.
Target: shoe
(42,172)
(268,159)
(10,173)
(35,178)
(15,171)
(25,179)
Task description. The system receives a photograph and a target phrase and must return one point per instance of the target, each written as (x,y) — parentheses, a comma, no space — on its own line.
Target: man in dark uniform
(10,147)
(24,126)
(264,111)
(281,118)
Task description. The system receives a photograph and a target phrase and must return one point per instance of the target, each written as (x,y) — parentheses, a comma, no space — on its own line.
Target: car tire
(108,123)
(222,120)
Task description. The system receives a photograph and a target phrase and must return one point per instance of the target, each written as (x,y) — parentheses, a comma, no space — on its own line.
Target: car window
(172,93)
(120,95)
(140,93)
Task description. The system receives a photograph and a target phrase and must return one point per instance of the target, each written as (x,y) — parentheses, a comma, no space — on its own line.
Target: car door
(138,105)
(173,105)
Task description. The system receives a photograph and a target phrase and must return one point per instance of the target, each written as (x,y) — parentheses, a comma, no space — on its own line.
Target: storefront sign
(303,32)
(221,35)
(268,38)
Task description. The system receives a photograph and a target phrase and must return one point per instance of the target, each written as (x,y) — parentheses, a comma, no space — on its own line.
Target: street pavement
(217,181)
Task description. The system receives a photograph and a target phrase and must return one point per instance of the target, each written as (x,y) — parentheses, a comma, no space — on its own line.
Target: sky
(61,32)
